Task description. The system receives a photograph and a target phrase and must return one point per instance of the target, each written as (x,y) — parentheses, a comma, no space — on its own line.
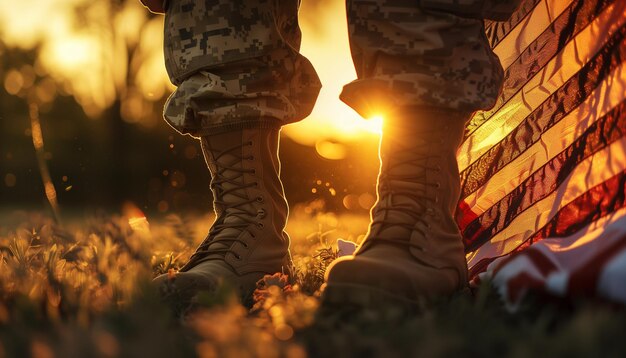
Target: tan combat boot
(413,250)
(246,240)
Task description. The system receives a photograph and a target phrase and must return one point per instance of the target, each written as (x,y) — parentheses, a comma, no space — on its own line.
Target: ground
(82,289)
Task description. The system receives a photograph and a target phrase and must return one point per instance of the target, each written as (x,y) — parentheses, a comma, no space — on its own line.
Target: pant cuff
(262,123)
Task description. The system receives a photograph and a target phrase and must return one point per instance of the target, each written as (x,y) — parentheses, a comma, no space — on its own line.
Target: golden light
(84,59)
(325,44)
(330,150)
(154,82)
(72,53)
(374,124)
(24,23)
(78,59)
(13,82)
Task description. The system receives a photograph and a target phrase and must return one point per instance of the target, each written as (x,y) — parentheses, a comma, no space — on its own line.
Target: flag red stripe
(585,279)
(497,30)
(520,283)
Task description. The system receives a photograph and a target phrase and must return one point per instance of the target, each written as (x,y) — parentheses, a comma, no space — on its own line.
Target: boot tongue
(398,220)
(405,184)
(232,216)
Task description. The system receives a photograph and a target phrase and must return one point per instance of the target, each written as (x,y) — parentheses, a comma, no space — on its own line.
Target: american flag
(543,173)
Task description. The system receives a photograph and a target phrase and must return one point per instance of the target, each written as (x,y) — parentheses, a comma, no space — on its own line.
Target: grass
(83,290)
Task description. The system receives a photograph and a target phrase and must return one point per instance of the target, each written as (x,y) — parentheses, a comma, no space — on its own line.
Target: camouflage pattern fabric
(406,55)
(236,62)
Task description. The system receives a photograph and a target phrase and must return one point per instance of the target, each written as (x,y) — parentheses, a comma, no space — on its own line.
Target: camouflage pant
(236,62)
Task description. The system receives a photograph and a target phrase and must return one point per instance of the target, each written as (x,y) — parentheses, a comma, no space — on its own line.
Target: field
(82,289)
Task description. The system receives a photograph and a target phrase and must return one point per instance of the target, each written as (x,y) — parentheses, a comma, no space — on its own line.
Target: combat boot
(413,250)
(247,239)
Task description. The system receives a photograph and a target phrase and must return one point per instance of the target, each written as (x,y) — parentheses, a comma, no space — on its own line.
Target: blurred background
(82,87)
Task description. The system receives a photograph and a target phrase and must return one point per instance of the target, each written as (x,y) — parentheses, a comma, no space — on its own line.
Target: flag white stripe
(612,280)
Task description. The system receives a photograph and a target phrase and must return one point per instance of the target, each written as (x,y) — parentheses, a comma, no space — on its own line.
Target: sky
(78,51)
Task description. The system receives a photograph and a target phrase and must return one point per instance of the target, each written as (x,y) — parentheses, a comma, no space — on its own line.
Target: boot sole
(368,297)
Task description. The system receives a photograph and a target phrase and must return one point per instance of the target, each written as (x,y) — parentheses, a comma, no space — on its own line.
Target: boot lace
(230,208)
(421,193)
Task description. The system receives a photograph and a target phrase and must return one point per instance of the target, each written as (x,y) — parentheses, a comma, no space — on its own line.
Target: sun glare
(325,44)
(374,124)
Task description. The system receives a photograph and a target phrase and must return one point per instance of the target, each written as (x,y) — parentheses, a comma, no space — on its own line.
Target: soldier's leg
(236,64)
(407,54)
(240,77)
(425,66)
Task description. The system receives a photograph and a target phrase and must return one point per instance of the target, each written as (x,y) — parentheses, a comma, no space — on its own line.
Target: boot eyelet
(237,257)
(437,185)
(259,199)
(244,245)
(260,225)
